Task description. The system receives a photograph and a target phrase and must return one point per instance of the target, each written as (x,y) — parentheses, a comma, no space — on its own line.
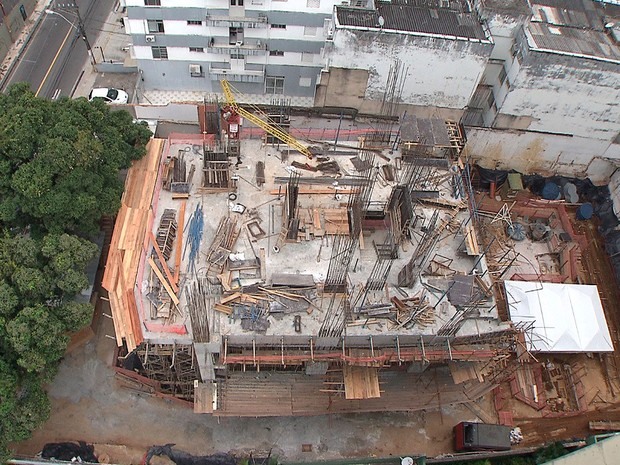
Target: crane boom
(267,127)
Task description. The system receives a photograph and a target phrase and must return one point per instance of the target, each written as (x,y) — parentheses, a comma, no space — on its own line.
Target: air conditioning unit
(195,70)
(150,39)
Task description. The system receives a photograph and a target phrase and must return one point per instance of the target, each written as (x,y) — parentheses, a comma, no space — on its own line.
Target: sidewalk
(111,50)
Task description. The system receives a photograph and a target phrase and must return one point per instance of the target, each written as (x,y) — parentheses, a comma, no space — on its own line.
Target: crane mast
(269,128)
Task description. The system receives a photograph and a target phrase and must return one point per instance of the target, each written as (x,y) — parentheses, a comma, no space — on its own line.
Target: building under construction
(253,279)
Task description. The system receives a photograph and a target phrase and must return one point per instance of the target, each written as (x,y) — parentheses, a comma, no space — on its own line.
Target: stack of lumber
(128,243)
(361,382)
(317,222)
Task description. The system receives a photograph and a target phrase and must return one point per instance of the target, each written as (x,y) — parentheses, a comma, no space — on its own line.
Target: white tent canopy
(564,317)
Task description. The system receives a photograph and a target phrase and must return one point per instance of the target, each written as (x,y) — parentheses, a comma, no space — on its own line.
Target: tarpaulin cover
(566,317)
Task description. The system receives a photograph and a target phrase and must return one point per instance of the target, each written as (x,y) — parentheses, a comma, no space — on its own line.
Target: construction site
(259,270)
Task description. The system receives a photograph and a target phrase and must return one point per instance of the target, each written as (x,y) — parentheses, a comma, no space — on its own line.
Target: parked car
(109,95)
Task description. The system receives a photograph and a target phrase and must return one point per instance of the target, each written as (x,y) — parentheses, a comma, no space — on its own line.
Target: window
(191,22)
(274,85)
(159,52)
(313,3)
(152,2)
(278,26)
(307,57)
(197,49)
(236,2)
(235,36)
(361,4)
(155,26)
(491,102)
(305,82)
(236,56)
(310,30)
(502,75)
(276,53)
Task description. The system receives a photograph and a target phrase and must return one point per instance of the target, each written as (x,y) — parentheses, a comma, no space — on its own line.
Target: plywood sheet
(361,382)
(128,244)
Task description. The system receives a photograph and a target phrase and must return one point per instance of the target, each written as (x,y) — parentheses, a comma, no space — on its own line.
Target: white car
(109,95)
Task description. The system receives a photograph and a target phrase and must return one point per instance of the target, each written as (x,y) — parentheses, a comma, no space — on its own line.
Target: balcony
(237,21)
(245,47)
(237,75)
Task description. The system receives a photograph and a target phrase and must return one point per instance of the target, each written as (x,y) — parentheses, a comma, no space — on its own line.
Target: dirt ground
(87,405)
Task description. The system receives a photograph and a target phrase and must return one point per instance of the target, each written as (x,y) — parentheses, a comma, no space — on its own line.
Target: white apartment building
(271,47)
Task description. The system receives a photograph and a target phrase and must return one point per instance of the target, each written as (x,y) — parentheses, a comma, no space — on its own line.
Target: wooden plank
(361,382)
(316,218)
(263,263)
(225,280)
(204,394)
(604,425)
(161,277)
(223,308)
(179,249)
(162,260)
(230,298)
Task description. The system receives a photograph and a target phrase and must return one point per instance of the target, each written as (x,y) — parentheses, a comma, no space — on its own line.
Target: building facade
(263,47)
(547,101)
(428,55)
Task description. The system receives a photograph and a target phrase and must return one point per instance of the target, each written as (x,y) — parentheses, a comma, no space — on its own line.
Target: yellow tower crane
(269,128)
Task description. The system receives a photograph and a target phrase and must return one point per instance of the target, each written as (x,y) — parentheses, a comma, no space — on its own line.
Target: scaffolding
(172,366)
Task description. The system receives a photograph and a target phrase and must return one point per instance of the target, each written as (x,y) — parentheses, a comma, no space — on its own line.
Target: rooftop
(438,22)
(572,41)
(575,13)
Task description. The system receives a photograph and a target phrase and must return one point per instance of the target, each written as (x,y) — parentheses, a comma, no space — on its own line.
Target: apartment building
(547,101)
(263,47)
(536,83)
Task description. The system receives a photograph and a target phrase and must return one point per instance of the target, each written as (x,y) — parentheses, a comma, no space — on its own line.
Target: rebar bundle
(194,236)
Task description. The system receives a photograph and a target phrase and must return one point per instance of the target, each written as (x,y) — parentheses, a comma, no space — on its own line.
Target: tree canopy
(59,160)
(59,174)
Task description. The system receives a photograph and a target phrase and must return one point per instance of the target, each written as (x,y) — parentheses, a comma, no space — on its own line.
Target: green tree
(59,173)
(59,161)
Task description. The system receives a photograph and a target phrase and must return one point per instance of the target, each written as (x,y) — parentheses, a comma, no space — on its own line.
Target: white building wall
(566,95)
(547,154)
(440,72)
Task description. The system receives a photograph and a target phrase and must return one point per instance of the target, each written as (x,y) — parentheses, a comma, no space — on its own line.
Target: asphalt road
(54,59)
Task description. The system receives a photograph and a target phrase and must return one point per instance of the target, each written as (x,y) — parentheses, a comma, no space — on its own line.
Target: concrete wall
(177,112)
(563,94)
(437,72)
(547,154)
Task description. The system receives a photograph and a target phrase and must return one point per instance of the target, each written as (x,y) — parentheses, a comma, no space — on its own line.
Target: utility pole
(81,29)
